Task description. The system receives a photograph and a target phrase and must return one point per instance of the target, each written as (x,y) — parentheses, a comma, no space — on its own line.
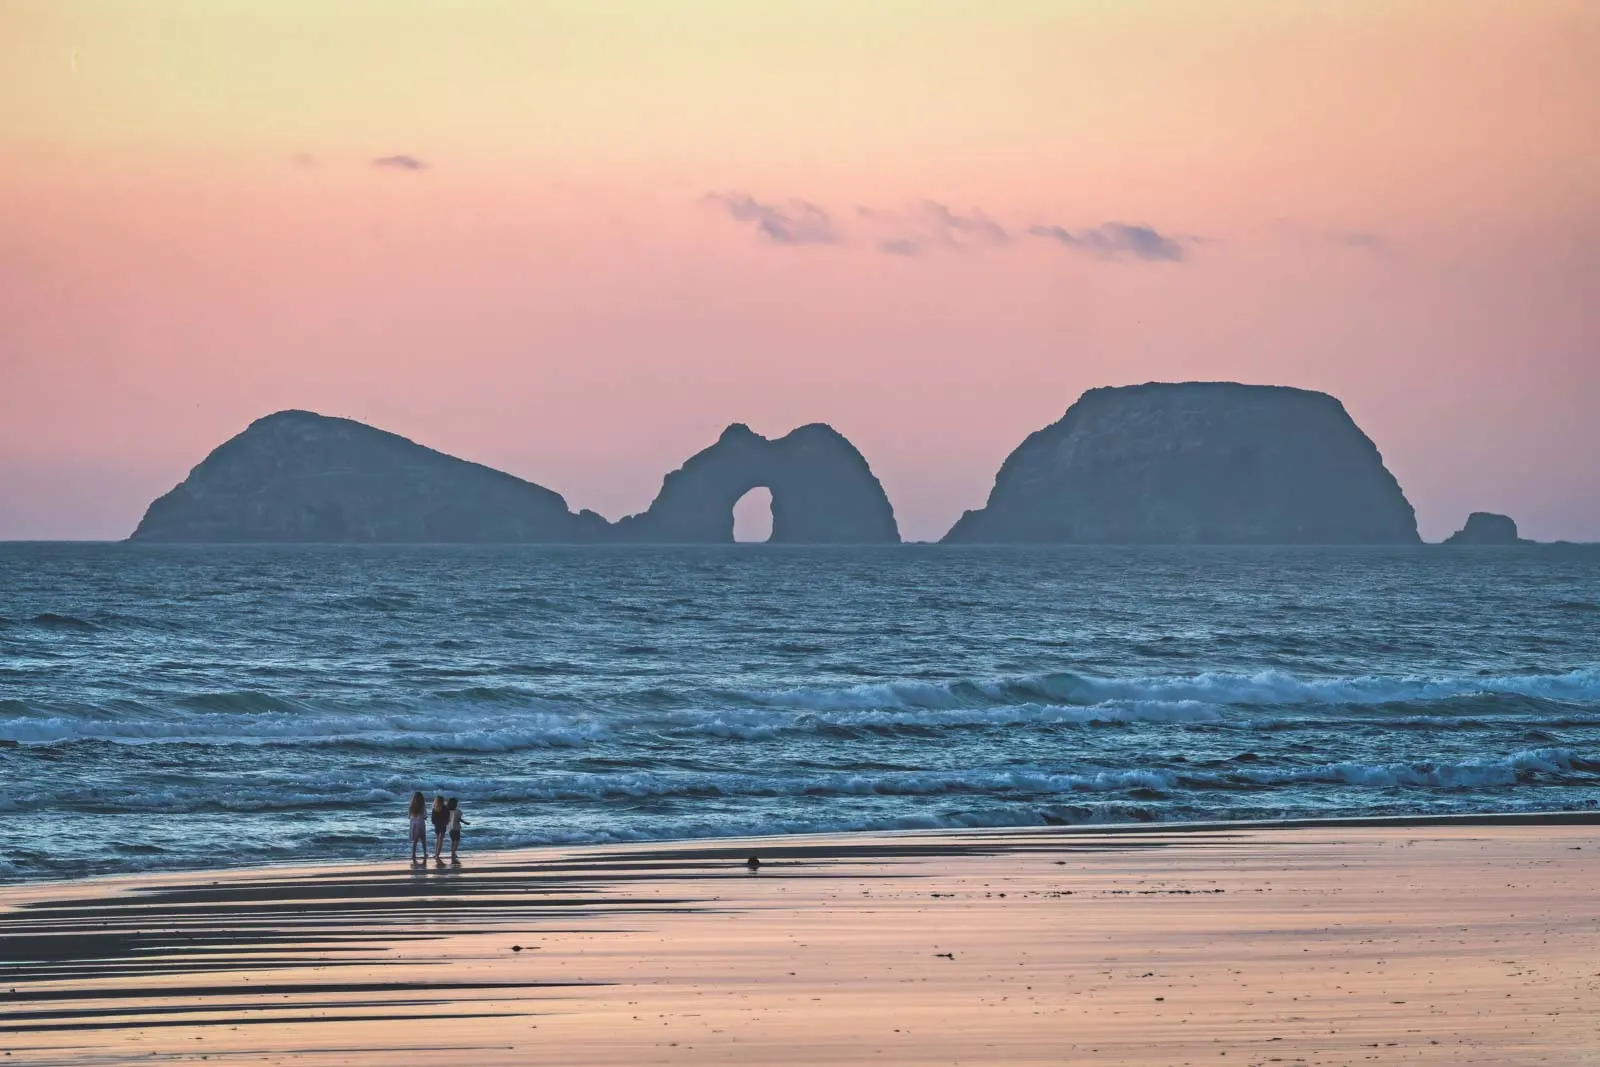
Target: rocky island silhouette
(1195,463)
(1159,463)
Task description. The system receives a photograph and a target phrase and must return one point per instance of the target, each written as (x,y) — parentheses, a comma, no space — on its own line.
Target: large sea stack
(299,476)
(1195,463)
(823,492)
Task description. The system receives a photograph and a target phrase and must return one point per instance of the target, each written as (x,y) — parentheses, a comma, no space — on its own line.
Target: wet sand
(1438,941)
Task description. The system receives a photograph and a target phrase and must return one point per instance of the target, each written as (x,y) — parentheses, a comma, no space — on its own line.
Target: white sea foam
(753,723)
(410,730)
(247,793)
(1469,774)
(503,725)
(1265,688)
(325,790)
(460,729)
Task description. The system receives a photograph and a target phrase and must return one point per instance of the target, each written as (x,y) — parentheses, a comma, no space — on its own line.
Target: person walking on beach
(441,821)
(419,825)
(454,825)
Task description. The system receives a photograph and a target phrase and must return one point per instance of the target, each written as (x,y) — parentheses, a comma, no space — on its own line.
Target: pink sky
(1397,202)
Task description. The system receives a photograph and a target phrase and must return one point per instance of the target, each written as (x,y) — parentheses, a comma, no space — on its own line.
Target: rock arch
(823,492)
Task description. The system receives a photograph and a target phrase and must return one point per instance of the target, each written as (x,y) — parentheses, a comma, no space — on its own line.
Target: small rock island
(1487,528)
(1195,463)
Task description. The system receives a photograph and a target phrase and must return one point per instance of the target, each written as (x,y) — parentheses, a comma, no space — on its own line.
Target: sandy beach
(1448,941)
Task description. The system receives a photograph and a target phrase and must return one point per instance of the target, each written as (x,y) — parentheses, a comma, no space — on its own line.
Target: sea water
(170,707)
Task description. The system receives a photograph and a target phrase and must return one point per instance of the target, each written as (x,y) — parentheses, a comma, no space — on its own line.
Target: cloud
(400,163)
(1368,241)
(960,230)
(930,226)
(796,222)
(1112,240)
(1362,239)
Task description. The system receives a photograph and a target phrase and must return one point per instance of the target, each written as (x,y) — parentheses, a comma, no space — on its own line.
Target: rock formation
(1195,463)
(298,476)
(1486,528)
(823,492)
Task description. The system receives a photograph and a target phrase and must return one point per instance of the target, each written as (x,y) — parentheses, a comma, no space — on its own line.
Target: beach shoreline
(1329,942)
(740,843)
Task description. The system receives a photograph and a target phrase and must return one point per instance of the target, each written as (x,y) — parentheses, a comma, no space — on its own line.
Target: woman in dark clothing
(441,822)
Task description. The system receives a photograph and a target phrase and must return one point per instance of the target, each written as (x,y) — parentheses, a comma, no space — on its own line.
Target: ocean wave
(1470,774)
(62,623)
(387,603)
(1265,688)
(759,723)
(243,701)
(255,718)
(507,719)
(245,792)
(385,732)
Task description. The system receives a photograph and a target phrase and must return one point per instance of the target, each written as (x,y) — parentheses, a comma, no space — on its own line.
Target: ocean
(169,707)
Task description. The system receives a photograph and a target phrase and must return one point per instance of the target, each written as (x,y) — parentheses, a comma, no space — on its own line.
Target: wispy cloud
(400,163)
(1365,240)
(1368,241)
(931,226)
(794,222)
(1360,239)
(1113,240)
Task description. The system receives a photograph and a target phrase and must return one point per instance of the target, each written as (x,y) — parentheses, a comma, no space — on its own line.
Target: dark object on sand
(754,862)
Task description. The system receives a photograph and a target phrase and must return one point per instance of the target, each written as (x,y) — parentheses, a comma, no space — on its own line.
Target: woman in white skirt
(419,825)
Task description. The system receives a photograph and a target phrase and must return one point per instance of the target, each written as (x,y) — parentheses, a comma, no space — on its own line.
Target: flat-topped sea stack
(1195,463)
(299,476)
(1487,528)
(823,492)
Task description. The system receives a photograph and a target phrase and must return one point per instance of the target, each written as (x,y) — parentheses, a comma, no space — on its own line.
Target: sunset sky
(575,239)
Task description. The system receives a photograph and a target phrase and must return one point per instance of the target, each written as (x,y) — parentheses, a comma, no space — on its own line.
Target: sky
(574,240)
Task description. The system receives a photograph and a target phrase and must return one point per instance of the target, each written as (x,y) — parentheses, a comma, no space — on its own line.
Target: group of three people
(446,820)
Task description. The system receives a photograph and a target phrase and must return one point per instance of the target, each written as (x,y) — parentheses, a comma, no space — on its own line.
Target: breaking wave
(1264,689)
(1040,783)
(508,719)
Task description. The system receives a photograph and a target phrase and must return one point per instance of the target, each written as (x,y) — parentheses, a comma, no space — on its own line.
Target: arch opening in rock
(752,517)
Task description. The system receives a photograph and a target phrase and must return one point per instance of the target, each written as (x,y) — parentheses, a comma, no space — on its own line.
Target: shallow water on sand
(190,706)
